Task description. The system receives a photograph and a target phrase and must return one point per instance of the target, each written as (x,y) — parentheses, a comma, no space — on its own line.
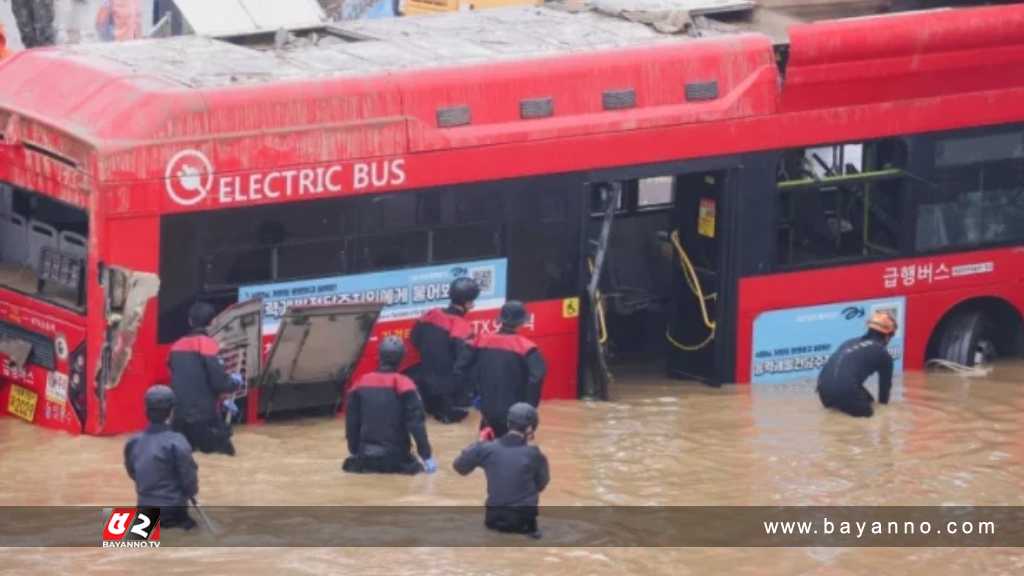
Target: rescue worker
(382,411)
(159,461)
(35,22)
(841,381)
(199,379)
(503,368)
(516,473)
(442,336)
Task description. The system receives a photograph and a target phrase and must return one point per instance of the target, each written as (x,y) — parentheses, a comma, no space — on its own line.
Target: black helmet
(513,314)
(391,351)
(159,403)
(522,416)
(463,290)
(200,314)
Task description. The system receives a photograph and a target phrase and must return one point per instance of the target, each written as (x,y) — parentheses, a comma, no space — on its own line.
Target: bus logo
(189,177)
(852,312)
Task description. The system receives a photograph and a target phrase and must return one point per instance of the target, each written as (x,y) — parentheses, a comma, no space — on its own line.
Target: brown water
(942,440)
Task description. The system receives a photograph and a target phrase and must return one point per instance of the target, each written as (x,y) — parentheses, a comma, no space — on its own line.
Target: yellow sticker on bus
(22,403)
(570,308)
(706,218)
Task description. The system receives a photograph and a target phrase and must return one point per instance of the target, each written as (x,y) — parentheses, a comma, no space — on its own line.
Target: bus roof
(371,47)
(380,88)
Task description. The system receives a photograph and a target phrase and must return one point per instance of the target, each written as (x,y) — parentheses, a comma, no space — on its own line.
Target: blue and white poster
(794,344)
(405,293)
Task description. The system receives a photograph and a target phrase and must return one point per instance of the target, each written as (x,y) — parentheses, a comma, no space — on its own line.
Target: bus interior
(659,280)
(43,247)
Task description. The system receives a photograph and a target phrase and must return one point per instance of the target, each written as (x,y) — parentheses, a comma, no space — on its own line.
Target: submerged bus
(743,205)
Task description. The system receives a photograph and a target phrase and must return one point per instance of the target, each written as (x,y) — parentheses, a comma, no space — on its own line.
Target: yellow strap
(693,281)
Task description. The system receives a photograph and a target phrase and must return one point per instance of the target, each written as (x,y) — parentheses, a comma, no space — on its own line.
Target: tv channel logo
(131,528)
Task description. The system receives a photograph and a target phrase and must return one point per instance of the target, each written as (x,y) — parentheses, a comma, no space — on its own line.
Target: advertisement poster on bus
(406,293)
(794,344)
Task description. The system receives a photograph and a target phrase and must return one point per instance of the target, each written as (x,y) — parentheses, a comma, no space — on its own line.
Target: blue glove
(476,401)
(237,379)
(430,466)
(230,407)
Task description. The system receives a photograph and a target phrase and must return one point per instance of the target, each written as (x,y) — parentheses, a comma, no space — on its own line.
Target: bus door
(696,244)
(655,237)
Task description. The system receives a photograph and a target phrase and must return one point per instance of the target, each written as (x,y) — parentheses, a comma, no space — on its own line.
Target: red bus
(745,203)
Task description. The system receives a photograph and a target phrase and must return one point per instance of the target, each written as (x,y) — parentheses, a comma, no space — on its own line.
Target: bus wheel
(972,336)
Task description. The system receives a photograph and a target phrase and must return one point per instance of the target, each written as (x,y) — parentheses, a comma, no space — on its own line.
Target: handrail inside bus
(844,179)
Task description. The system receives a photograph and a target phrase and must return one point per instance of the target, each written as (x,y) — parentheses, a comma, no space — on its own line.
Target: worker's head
(463,291)
(513,315)
(523,418)
(200,314)
(159,404)
(391,352)
(882,325)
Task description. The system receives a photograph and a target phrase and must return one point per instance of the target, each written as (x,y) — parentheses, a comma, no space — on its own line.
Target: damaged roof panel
(373,46)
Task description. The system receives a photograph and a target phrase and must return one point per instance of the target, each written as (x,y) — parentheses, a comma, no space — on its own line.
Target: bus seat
(13,239)
(40,235)
(73,244)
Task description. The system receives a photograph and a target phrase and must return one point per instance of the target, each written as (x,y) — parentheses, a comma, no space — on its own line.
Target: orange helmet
(883,322)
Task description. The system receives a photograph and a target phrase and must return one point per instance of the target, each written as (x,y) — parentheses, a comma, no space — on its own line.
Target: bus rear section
(44,240)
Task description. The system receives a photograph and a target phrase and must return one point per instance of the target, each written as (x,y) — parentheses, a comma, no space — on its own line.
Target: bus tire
(966,333)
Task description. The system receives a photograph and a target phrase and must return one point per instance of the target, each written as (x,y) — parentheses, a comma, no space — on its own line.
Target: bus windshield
(43,247)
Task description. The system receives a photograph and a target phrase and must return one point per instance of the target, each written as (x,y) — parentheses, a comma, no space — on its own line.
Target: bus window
(599,195)
(396,249)
(517,219)
(541,239)
(840,202)
(655,192)
(43,247)
(978,192)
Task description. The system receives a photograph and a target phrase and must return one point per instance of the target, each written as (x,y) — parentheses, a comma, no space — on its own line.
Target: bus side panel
(50,391)
(953,278)
(134,244)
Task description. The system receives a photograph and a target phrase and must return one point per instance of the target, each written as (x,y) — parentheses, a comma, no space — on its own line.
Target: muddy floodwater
(944,439)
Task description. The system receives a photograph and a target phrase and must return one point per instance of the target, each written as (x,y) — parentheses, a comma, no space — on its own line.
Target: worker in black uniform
(160,462)
(441,336)
(199,380)
(841,381)
(383,409)
(503,368)
(516,473)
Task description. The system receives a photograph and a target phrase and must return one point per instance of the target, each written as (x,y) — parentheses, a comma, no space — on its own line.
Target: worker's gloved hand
(430,465)
(230,407)
(476,401)
(487,434)
(236,377)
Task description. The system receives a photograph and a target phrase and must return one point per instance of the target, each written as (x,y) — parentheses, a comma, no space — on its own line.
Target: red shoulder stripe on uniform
(461,328)
(198,343)
(399,382)
(404,384)
(437,317)
(508,342)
